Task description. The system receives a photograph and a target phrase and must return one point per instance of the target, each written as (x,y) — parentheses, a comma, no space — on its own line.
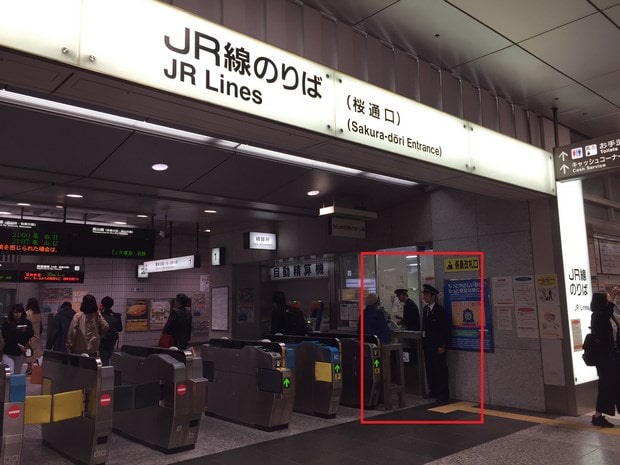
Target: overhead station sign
(586,158)
(184,54)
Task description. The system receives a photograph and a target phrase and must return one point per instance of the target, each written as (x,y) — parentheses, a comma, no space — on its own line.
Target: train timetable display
(74,240)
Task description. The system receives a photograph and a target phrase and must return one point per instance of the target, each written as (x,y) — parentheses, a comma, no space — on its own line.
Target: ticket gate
(351,394)
(351,369)
(248,382)
(81,411)
(318,373)
(12,398)
(160,396)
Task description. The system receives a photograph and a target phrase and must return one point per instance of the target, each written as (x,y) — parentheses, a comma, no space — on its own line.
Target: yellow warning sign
(461,264)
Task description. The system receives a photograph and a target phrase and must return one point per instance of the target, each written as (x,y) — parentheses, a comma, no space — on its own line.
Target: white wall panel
(506,117)
(276,27)
(471,103)
(489,110)
(406,75)
(430,85)
(209,9)
(380,64)
(451,100)
(534,123)
(312,35)
(521,124)
(245,16)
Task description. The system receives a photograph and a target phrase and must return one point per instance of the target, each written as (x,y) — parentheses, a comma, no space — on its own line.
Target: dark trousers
(436,366)
(608,399)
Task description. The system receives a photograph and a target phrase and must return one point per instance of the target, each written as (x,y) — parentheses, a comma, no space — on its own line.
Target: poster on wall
(463,305)
(53,297)
(158,315)
(525,307)
(245,307)
(502,298)
(219,309)
(199,305)
(137,315)
(77,297)
(549,317)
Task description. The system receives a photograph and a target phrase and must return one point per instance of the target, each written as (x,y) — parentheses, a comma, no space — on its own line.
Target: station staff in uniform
(435,337)
(411,313)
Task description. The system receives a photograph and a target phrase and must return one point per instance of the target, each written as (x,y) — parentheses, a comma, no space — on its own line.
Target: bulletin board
(219,309)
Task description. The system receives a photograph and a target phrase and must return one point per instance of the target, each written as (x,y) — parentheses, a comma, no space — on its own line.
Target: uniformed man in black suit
(411,314)
(435,337)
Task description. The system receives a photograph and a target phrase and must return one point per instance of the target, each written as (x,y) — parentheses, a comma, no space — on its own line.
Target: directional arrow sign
(591,157)
(337,368)
(376,363)
(286,382)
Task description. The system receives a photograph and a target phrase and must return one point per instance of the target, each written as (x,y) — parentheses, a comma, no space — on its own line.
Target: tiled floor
(506,437)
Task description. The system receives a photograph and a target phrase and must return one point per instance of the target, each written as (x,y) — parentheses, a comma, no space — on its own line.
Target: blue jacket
(376,324)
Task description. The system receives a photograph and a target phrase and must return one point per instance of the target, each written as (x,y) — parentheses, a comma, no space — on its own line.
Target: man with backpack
(110,339)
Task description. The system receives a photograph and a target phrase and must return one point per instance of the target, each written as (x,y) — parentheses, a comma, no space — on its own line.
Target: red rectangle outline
(361,355)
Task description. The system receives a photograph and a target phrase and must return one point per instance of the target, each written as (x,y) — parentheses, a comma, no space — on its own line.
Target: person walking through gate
(435,337)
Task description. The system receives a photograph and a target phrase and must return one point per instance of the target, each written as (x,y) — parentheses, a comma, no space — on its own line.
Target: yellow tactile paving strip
(563,423)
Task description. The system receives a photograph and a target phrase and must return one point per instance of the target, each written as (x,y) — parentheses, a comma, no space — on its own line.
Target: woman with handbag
(178,329)
(607,331)
(16,332)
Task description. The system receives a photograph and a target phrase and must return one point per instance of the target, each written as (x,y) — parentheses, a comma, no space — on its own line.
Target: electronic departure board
(30,272)
(46,238)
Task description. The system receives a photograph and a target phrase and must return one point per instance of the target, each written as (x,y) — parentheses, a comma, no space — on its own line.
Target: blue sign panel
(463,305)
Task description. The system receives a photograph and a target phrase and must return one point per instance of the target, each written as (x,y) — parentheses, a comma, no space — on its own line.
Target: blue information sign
(463,308)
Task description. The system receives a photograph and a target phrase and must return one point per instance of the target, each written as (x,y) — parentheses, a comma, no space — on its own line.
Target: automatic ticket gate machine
(351,369)
(12,398)
(160,396)
(318,373)
(82,391)
(248,382)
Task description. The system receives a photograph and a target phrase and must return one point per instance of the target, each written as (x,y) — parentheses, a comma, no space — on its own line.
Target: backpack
(116,326)
(593,351)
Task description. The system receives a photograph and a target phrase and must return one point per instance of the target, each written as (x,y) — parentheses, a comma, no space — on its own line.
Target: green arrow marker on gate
(376,363)
(337,367)
(286,382)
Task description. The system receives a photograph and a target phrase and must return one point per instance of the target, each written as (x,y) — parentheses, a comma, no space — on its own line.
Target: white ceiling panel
(513,72)
(414,25)
(519,20)
(582,49)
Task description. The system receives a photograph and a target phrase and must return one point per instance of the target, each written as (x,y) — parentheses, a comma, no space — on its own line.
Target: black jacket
(411,316)
(179,324)
(13,335)
(436,328)
(57,337)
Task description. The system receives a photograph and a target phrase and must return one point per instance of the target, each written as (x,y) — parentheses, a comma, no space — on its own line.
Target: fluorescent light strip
(186,136)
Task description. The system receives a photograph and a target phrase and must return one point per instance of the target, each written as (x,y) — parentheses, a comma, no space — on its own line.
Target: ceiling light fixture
(75,196)
(159,167)
(142,216)
(206,230)
(22,204)
(120,222)
(313,193)
(27,101)
(5,213)
(210,211)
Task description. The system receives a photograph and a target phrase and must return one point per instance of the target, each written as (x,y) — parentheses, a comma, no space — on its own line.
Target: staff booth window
(384,272)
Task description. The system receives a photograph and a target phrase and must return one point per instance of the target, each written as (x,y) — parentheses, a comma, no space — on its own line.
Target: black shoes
(602,422)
